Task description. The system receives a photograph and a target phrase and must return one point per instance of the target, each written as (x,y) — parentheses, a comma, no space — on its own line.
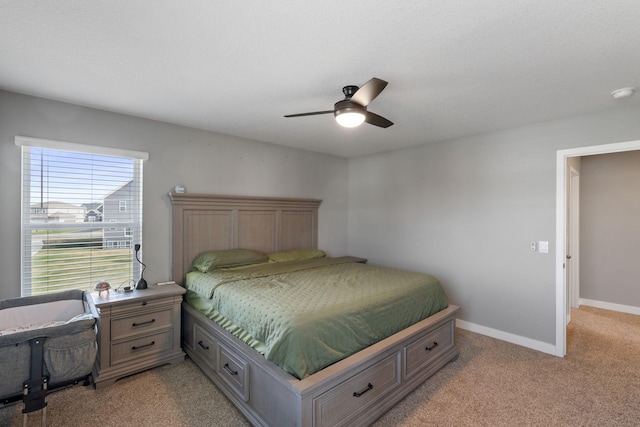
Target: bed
(46,342)
(354,388)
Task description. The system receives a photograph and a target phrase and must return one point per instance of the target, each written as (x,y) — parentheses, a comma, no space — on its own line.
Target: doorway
(563,192)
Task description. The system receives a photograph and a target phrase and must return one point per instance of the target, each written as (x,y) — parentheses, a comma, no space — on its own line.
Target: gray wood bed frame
(354,391)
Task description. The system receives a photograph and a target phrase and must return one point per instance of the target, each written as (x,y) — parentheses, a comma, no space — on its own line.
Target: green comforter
(306,315)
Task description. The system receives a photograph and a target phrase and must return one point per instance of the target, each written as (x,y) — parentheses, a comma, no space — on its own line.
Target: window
(72,194)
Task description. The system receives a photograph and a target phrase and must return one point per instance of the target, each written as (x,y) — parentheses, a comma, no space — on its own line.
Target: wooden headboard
(204,222)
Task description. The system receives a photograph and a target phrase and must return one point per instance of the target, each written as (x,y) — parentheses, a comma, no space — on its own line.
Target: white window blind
(75,231)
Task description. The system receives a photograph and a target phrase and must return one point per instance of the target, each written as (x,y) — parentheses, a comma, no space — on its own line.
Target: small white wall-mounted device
(543,247)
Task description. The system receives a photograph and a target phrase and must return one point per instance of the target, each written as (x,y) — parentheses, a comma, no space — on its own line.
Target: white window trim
(23,141)
(26,141)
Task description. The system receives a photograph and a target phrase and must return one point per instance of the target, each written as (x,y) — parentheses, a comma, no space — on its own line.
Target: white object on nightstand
(166,283)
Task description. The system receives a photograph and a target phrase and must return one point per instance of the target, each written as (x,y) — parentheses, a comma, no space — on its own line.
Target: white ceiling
(454,67)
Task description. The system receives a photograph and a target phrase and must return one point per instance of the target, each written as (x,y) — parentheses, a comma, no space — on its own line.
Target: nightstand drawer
(234,371)
(427,348)
(139,347)
(205,346)
(135,305)
(129,326)
(341,405)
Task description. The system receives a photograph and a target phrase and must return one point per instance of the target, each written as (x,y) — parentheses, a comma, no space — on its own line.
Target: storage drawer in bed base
(345,403)
(268,396)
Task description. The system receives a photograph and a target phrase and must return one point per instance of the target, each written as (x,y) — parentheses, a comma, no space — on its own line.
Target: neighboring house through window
(82,214)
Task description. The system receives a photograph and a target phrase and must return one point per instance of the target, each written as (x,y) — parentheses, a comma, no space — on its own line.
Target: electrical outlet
(533,245)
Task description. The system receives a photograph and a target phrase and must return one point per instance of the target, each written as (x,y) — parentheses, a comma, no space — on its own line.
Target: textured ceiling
(454,67)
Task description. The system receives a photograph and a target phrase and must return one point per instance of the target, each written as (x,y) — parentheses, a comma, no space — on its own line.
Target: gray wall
(466,211)
(610,228)
(204,162)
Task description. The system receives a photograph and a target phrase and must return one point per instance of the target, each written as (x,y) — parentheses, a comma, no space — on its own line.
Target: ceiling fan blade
(376,120)
(314,113)
(369,91)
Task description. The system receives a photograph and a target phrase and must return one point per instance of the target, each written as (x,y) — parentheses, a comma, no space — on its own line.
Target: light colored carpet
(493,383)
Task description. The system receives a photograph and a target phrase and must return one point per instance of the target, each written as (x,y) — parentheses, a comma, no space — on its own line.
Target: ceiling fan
(352,110)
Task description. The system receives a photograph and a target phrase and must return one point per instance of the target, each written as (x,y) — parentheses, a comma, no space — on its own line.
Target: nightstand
(137,330)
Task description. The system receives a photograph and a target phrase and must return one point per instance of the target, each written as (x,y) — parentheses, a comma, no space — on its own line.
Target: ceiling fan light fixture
(349,119)
(349,114)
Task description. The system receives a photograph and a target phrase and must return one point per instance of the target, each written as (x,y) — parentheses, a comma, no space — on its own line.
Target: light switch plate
(543,247)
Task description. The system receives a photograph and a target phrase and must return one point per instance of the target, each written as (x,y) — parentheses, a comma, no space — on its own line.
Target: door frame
(572,269)
(561,224)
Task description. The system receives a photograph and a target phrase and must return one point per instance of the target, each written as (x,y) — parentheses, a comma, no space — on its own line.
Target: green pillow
(296,255)
(210,260)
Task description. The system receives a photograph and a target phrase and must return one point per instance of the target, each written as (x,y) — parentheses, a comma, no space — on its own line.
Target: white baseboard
(505,336)
(610,306)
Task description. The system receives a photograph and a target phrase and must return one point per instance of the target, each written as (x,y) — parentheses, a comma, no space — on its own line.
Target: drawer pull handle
(142,346)
(228,369)
(144,303)
(363,391)
(435,344)
(134,324)
(201,344)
